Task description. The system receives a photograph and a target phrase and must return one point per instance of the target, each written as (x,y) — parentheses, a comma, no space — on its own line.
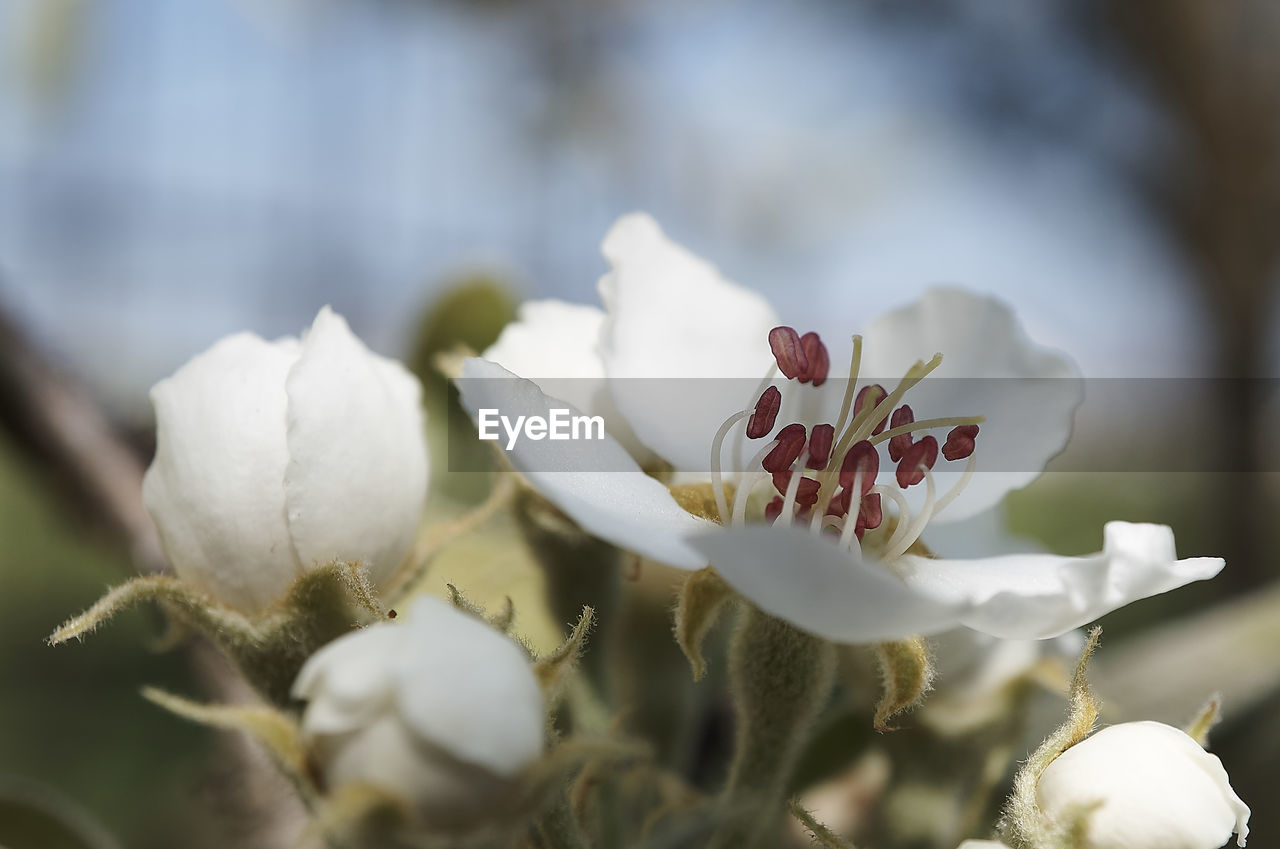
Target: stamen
(793,489)
(918,372)
(927,424)
(766,413)
(916,461)
(738,436)
(868,397)
(839,505)
(819,360)
(740,497)
(717,483)
(871,514)
(960,442)
(790,444)
(896,496)
(806,489)
(789,352)
(848,533)
(850,529)
(820,439)
(917,527)
(773,509)
(753,464)
(959,485)
(864,460)
(899,444)
(855,364)
(858,428)
(830,521)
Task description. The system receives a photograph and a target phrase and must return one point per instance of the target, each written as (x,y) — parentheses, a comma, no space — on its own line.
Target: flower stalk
(781,678)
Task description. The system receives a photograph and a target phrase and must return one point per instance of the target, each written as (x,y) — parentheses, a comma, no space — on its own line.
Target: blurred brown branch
(56,425)
(1216,68)
(68,438)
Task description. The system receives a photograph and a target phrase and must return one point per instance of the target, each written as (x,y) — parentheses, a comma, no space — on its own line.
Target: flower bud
(440,710)
(1153,786)
(273,458)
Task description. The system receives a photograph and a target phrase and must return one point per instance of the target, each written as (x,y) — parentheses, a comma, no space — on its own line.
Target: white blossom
(670,316)
(1155,788)
(439,709)
(275,457)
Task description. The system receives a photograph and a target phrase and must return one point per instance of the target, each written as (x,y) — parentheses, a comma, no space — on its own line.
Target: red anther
(819,360)
(789,353)
(790,444)
(960,442)
(870,514)
(918,457)
(899,444)
(861,457)
(820,439)
(806,490)
(839,505)
(868,397)
(773,509)
(766,413)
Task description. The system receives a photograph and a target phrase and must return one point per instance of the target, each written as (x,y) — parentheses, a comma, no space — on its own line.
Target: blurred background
(172,172)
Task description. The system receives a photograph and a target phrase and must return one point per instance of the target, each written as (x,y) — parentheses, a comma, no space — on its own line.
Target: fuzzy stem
(781,679)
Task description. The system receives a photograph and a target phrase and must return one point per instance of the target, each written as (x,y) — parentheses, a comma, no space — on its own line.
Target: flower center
(824,474)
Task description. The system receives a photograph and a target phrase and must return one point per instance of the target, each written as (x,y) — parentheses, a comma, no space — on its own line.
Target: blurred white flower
(275,457)
(440,710)
(1155,787)
(983,844)
(834,551)
(978,675)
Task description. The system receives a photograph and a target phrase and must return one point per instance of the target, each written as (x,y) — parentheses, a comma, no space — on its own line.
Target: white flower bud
(275,457)
(1156,788)
(441,710)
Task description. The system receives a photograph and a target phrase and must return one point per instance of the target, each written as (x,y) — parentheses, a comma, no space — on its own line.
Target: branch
(53,421)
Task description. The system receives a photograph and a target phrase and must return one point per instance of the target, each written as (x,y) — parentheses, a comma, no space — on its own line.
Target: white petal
(357,475)
(469,689)
(387,754)
(1027,393)
(810,582)
(981,535)
(1035,596)
(1158,788)
(557,346)
(349,680)
(596,482)
(672,316)
(983,844)
(216,487)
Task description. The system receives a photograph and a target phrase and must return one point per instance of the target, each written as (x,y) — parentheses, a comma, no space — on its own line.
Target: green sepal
(554,669)
(907,675)
(702,597)
(1205,719)
(1022,824)
(278,732)
(269,648)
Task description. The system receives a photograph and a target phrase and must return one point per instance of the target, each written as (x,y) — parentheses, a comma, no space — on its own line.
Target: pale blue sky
(213,169)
